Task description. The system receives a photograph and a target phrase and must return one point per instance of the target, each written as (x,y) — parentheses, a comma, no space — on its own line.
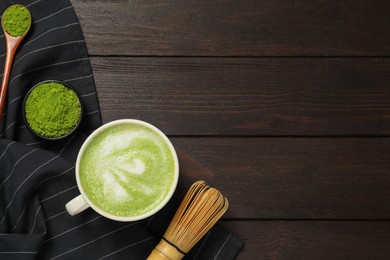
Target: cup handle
(76,205)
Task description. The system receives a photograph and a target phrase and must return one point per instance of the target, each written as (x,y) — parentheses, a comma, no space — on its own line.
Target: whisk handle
(165,251)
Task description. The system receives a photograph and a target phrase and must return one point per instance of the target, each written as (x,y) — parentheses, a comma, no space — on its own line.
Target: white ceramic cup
(81,202)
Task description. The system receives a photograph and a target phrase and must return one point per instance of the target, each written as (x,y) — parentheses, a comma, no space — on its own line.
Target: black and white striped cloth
(37,177)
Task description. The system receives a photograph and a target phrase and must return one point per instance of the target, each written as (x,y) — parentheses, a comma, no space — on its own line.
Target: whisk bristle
(200,209)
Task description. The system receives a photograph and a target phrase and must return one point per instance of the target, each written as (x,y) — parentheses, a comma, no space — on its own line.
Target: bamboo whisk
(200,209)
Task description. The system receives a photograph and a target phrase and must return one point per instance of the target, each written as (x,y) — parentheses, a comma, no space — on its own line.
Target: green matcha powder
(52,110)
(16,20)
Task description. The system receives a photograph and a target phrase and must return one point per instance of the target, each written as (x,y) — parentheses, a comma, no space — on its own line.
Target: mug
(117,163)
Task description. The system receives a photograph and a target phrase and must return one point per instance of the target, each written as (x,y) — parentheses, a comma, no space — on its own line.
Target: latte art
(127,170)
(136,167)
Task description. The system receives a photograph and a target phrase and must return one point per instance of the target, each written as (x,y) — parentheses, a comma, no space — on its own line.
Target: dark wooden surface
(284,105)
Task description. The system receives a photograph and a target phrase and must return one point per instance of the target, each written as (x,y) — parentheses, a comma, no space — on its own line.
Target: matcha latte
(127,168)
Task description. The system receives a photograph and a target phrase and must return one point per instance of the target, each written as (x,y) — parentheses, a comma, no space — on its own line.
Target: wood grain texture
(312,239)
(248,96)
(292,178)
(298,144)
(235,28)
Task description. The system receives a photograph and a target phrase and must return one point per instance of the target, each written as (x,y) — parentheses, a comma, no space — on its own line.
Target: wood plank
(235,28)
(292,178)
(312,239)
(248,96)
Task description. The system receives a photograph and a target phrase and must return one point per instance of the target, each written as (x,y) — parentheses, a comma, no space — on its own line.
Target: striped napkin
(37,177)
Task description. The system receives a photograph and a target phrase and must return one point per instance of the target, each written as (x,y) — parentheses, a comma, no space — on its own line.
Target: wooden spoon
(12,44)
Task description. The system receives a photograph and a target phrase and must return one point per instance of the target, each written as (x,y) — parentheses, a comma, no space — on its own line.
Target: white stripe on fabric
(59,193)
(13,100)
(150,220)
(53,14)
(222,246)
(201,246)
(93,112)
(139,242)
(51,30)
(55,176)
(20,127)
(5,150)
(69,230)
(47,66)
(90,94)
(39,142)
(9,126)
(46,48)
(33,3)
(16,163)
(67,143)
(17,189)
(90,242)
(35,219)
(21,215)
(6,129)
(56,215)
(78,78)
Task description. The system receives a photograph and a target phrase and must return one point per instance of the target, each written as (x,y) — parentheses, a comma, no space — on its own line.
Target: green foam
(127,170)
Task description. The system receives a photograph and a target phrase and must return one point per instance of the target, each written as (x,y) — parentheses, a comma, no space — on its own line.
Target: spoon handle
(12,44)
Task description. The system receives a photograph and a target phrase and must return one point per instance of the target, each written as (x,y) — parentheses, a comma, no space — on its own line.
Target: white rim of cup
(131,218)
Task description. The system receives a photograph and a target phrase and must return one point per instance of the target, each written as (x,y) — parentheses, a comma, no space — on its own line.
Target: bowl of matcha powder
(52,110)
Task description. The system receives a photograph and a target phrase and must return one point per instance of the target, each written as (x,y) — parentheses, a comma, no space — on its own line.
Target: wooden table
(282,105)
